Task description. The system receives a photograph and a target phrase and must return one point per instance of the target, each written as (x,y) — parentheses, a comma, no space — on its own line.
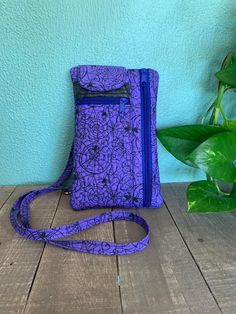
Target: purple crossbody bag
(113,159)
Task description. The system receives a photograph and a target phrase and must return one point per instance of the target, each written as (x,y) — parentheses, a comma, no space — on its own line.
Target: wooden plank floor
(188,267)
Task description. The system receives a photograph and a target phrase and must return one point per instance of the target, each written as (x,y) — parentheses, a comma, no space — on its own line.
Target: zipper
(121,101)
(146,137)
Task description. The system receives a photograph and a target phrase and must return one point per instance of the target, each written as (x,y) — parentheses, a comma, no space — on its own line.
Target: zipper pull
(144,76)
(123,102)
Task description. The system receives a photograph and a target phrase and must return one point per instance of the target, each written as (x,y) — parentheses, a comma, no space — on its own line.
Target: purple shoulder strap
(20,220)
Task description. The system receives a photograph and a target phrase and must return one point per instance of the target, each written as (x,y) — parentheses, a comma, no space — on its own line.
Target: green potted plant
(209,146)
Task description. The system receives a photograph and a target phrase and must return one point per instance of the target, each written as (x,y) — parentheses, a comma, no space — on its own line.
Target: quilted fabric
(108,156)
(99,78)
(106,159)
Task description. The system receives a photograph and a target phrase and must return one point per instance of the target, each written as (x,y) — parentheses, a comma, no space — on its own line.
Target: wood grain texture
(19,257)
(73,282)
(163,278)
(188,267)
(5,192)
(211,238)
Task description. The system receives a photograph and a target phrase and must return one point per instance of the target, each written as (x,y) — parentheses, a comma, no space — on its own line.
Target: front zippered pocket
(103,162)
(121,101)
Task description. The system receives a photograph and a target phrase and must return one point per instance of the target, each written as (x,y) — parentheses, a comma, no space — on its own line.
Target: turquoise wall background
(41,40)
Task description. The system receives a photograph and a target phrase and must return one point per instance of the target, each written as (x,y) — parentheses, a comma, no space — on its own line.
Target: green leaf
(228,75)
(229,125)
(203,196)
(217,156)
(228,59)
(233,189)
(182,140)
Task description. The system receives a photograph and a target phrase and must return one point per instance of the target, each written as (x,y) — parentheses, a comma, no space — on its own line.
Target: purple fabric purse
(113,159)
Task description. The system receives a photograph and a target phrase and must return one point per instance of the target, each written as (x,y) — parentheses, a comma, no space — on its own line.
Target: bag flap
(99,78)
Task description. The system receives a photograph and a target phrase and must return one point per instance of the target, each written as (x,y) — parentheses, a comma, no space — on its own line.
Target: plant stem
(212,115)
(216,185)
(206,114)
(217,104)
(217,108)
(223,113)
(214,120)
(208,177)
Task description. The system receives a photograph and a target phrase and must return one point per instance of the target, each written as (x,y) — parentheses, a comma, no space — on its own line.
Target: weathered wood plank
(73,282)
(163,278)
(212,240)
(19,257)
(5,192)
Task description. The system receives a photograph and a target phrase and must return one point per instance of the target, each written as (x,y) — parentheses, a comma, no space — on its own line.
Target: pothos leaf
(217,156)
(229,125)
(228,75)
(180,141)
(203,196)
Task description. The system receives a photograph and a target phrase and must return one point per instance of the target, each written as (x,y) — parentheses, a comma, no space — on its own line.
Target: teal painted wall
(41,40)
